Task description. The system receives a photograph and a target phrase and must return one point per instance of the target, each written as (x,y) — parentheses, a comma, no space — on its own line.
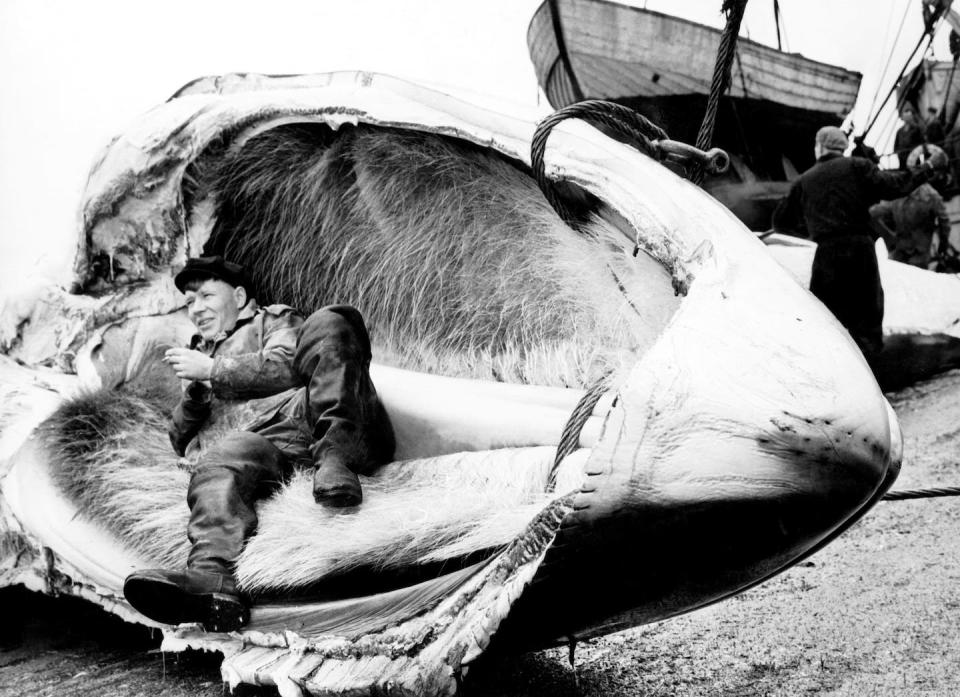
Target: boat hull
(662,67)
(622,50)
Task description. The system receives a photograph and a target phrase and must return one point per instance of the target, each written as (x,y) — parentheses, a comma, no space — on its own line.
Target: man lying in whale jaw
(266,391)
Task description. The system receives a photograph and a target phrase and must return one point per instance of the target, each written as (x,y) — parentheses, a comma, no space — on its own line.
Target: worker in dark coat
(830,202)
(909,135)
(909,225)
(265,391)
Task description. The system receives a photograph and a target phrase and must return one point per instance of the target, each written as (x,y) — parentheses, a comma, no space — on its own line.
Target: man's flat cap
(832,138)
(203,268)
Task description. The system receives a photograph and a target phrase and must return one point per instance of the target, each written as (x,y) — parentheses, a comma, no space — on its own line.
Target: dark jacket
(908,225)
(832,199)
(907,138)
(252,380)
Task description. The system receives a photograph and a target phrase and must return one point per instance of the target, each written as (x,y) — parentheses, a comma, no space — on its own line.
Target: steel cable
(721,75)
(905,494)
(570,438)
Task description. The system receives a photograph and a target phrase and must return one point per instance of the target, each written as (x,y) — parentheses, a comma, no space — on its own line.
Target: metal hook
(713,161)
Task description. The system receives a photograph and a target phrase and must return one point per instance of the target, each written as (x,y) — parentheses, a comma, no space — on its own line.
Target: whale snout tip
(840,461)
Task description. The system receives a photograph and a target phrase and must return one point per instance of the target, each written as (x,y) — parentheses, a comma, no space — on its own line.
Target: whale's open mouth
(739,431)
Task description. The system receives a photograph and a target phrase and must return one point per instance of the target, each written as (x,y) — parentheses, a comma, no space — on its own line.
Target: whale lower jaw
(723,461)
(410,641)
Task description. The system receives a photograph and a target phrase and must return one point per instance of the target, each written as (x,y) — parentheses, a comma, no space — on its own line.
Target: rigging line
(883,73)
(942,114)
(721,76)
(931,26)
(906,494)
(929,38)
(776,19)
(743,78)
(747,150)
(887,131)
(783,28)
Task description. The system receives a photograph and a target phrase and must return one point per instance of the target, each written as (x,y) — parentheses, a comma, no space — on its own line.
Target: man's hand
(188,364)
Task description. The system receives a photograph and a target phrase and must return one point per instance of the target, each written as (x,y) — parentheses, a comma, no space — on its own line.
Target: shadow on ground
(65,647)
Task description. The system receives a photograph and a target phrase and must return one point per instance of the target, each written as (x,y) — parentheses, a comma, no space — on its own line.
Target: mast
(776,19)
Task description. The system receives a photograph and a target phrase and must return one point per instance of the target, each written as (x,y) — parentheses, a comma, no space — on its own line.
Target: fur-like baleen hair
(111,456)
(453,255)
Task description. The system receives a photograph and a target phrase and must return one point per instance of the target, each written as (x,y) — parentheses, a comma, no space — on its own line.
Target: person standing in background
(830,203)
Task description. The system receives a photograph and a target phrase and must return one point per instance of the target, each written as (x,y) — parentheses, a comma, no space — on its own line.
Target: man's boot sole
(167,603)
(337,497)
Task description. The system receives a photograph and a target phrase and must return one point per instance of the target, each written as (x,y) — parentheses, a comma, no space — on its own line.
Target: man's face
(213,306)
(908,115)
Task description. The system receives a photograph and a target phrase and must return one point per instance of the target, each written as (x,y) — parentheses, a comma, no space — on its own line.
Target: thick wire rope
(570,438)
(905,494)
(622,120)
(721,76)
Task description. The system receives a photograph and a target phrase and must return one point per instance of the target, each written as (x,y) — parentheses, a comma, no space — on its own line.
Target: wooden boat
(662,66)
(731,440)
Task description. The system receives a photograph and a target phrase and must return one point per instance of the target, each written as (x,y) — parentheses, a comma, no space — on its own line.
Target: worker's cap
(832,138)
(203,268)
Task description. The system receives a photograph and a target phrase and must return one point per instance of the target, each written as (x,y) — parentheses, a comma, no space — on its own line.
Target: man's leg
(229,478)
(350,427)
(846,278)
(868,330)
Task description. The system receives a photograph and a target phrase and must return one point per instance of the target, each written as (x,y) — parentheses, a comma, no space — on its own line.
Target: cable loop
(625,123)
(570,438)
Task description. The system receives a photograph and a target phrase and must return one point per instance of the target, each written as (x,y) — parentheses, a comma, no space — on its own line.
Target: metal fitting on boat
(713,161)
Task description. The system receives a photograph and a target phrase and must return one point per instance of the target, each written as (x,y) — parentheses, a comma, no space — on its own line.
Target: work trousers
(846,278)
(337,409)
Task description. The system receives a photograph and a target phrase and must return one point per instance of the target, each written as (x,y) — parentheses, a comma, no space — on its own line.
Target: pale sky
(73,73)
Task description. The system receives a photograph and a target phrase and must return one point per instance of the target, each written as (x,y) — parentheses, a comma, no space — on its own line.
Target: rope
(925,37)
(776,18)
(622,120)
(570,441)
(570,438)
(721,74)
(905,494)
(634,128)
(941,115)
(884,51)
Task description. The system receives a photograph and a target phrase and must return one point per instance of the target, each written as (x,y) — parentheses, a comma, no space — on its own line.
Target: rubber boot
(335,484)
(229,478)
(171,597)
(351,430)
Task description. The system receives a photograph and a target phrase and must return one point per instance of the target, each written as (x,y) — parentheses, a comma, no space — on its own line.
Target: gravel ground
(874,613)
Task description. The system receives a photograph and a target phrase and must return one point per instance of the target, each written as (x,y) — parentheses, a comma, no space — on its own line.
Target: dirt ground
(876,612)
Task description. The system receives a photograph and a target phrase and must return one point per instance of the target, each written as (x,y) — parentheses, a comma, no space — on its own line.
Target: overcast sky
(73,73)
